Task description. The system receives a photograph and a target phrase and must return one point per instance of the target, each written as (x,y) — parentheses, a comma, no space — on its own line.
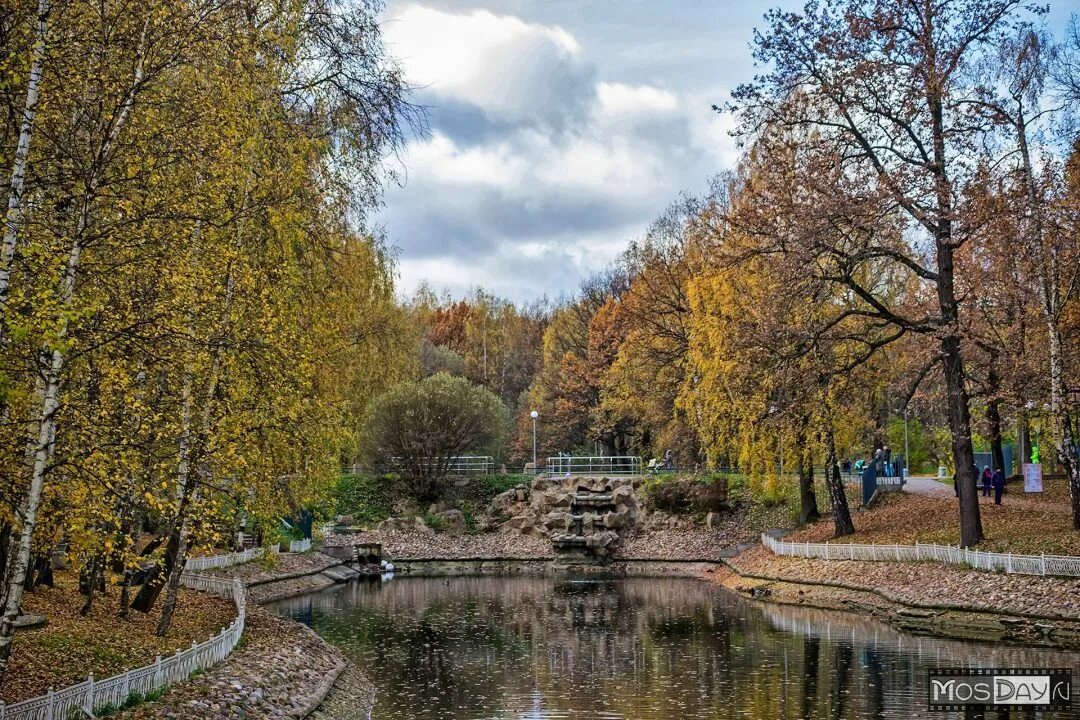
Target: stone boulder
(558,520)
(614,521)
(452,521)
(414,523)
(502,503)
(624,495)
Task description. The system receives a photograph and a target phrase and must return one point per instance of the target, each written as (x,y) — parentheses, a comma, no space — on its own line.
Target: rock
(624,495)
(614,521)
(392,523)
(522,493)
(712,520)
(406,507)
(555,499)
(558,520)
(345,520)
(541,483)
(503,501)
(453,521)
(438,507)
(420,526)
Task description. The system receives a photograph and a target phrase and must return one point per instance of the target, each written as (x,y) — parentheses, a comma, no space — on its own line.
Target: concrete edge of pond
(940,620)
(442,567)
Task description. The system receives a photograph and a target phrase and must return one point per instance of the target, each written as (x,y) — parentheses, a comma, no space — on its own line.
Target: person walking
(987,480)
(999,485)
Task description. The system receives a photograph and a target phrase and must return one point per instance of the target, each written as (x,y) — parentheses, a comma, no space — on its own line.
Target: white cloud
(499,63)
(440,159)
(618,100)
(537,172)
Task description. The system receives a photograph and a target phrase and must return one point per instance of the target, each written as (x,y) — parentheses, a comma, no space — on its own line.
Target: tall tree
(883,87)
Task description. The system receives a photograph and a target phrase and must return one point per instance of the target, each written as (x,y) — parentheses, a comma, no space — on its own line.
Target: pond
(541,648)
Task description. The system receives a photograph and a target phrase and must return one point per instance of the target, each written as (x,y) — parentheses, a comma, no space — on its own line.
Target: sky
(558,130)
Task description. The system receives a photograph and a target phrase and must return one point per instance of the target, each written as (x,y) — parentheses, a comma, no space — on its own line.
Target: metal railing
(82,699)
(615,465)
(1063,565)
(460,465)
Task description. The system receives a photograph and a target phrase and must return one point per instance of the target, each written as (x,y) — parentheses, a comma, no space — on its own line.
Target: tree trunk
(1064,442)
(177,541)
(834,482)
(808,507)
(993,422)
(43,445)
(16,578)
(169,606)
(1048,267)
(22,152)
(971,531)
(95,568)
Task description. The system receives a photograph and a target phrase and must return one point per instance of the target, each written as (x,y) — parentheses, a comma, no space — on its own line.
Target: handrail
(597,465)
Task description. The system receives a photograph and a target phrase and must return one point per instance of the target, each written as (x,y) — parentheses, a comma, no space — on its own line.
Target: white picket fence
(1063,565)
(78,701)
(299,546)
(211,562)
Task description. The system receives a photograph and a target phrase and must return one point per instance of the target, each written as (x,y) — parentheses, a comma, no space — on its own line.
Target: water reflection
(640,649)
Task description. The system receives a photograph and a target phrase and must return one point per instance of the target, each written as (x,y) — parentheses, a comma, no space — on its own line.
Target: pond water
(639,649)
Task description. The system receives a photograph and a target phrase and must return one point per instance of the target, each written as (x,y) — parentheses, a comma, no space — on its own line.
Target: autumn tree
(883,89)
(420,427)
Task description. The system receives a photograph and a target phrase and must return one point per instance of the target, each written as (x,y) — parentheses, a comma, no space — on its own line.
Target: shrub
(421,426)
(687,495)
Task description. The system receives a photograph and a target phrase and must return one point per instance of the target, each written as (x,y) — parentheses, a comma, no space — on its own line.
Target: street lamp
(534,415)
(907,456)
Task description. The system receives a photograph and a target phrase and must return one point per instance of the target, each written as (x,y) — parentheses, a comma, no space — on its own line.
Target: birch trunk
(184,470)
(22,153)
(50,400)
(1048,271)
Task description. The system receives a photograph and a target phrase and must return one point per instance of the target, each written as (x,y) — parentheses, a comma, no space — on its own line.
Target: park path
(1013,497)
(926,486)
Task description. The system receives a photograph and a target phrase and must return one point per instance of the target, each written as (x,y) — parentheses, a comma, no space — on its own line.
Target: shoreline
(341,686)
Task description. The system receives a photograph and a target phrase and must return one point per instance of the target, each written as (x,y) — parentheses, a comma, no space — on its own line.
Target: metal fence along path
(1056,565)
(81,700)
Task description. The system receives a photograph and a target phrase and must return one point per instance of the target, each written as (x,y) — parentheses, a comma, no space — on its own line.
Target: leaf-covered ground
(925,583)
(70,646)
(1021,524)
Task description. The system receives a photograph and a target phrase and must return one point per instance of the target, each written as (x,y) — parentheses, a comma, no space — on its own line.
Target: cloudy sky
(559,130)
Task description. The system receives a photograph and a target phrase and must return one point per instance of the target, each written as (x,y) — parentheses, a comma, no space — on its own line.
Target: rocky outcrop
(583,517)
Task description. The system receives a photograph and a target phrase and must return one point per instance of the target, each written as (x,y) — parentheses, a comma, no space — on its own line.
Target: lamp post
(534,415)
(907,461)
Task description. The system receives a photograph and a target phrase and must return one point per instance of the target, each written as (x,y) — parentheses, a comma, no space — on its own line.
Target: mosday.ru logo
(1032,690)
(953,689)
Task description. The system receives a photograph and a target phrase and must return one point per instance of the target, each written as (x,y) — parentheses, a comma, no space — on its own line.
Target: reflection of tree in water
(638,649)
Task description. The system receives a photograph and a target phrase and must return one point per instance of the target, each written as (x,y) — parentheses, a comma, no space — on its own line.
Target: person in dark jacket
(998,482)
(987,480)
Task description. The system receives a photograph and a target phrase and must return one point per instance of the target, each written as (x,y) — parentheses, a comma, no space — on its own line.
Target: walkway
(927,486)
